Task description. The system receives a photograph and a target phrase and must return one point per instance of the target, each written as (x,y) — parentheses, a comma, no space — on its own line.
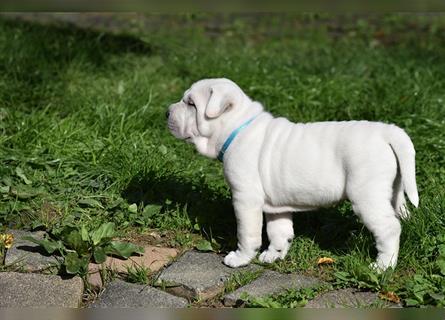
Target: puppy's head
(204,110)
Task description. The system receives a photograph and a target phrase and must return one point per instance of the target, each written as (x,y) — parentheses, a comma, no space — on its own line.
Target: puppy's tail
(405,153)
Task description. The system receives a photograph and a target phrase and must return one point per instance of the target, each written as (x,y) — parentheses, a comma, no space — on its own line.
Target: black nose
(167,114)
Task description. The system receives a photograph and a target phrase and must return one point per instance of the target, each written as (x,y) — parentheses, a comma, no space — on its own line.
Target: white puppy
(278,167)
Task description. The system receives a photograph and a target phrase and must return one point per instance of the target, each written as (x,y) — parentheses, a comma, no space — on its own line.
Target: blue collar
(232,137)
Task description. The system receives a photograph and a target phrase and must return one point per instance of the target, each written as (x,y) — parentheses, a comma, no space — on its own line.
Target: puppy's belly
(269,208)
(304,201)
(303,190)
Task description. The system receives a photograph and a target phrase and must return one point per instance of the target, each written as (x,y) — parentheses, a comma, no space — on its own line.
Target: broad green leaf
(84,233)
(50,246)
(133,208)
(74,241)
(151,210)
(106,230)
(64,231)
(115,204)
(342,275)
(437,296)
(21,174)
(90,202)
(123,249)
(5,189)
(74,264)
(99,255)
(204,245)
(411,302)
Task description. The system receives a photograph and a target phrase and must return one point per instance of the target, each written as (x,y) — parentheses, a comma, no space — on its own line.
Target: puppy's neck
(231,124)
(211,146)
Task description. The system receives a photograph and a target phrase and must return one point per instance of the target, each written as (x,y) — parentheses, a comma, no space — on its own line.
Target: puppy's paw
(270,255)
(237,259)
(380,267)
(376,268)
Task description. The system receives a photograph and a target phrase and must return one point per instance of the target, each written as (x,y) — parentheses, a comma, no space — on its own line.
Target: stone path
(120,294)
(270,282)
(39,290)
(193,277)
(198,275)
(27,255)
(153,259)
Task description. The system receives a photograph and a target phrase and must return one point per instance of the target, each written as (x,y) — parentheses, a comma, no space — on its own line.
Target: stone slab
(270,282)
(95,279)
(39,290)
(120,294)
(153,259)
(28,255)
(345,298)
(198,275)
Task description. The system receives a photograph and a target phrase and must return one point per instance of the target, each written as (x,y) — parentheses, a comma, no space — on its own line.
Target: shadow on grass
(38,56)
(211,210)
(329,228)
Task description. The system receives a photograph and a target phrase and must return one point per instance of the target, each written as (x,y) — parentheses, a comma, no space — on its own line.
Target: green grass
(83,135)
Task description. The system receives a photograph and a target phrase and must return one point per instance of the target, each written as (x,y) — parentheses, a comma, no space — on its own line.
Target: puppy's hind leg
(379,217)
(280,233)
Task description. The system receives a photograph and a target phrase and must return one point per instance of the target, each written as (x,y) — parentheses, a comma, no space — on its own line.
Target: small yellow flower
(9,239)
(6,239)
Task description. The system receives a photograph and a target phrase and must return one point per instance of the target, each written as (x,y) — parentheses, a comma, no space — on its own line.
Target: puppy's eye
(191,103)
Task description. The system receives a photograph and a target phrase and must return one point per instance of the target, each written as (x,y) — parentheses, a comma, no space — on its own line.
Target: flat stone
(345,298)
(120,294)
(270,282)
(95,280)
(27,255)
(39,290)
(198,275)
(153,258)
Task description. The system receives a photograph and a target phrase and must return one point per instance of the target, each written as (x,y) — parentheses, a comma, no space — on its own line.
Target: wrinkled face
(182,119)
(198,116)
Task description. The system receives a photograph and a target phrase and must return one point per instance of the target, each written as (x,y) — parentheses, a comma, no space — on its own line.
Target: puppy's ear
(222,97)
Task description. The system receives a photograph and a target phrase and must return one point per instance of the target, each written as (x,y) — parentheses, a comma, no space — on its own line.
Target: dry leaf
(390,296)
(325,260)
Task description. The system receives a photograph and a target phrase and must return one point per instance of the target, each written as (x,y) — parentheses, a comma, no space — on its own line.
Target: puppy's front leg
(249,223)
